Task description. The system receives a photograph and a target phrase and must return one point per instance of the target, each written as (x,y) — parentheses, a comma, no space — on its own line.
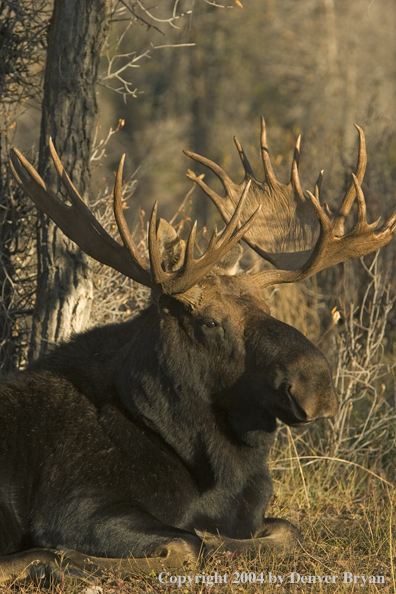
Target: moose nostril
(295,405)
(289,390)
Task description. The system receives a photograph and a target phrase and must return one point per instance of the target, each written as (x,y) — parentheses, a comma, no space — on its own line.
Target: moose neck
(172,387)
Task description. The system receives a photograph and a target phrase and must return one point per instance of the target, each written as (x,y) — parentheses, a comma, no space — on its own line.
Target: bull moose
(144,444)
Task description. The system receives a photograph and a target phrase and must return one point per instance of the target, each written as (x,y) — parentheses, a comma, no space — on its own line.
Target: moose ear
(229,264)
(172,248)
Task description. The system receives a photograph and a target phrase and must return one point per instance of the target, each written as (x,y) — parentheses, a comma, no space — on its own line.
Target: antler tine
(361,218)
(295,178)
(71,190)
(28,178)
(76,220)
(63,214)
(213,239)
(350,194)
(157,272)
(192,271)
(244,160)
(318,183)
(269,172)
(230,228)
(217,200)
(217,170)
(189,255)
(389,225)
(225,204)
(120,219)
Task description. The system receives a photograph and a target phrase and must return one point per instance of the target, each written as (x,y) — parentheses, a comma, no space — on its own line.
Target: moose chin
(144,445)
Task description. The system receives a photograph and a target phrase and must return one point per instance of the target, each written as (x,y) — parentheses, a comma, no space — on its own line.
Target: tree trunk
(75,38)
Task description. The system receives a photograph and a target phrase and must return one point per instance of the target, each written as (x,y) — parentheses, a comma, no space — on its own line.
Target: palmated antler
(79,224)
(286,228)
(332,248)
(295,233)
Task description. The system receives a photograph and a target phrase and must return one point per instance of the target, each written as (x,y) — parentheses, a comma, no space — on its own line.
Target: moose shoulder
(144,444)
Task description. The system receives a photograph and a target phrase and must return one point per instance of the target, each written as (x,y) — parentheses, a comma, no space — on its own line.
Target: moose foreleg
(45,565)
(275,533)
(172,556)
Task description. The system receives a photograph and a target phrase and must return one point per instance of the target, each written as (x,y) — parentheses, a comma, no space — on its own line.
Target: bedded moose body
(131,434)
(147,441)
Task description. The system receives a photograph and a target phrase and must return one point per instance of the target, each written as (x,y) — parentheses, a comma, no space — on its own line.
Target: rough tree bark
(75,38)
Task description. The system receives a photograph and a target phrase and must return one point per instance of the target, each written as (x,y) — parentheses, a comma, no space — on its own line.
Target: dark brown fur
(144,438)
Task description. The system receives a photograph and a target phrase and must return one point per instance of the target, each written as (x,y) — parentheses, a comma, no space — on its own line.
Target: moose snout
(297,376)
(304,388)
(314,399)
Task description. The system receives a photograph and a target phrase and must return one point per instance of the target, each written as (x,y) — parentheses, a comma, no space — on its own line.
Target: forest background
(189,75)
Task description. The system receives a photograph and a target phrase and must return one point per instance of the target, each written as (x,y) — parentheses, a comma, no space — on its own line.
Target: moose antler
(286,229)
(79,224)
(295,233)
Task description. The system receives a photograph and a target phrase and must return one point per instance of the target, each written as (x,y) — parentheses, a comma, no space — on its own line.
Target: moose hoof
(274,534)
(42,566)
(279,533)
(180,552)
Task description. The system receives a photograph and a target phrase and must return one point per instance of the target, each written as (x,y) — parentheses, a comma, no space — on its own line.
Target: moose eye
(210,324)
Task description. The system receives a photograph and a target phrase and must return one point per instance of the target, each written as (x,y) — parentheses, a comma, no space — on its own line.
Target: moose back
(145,444)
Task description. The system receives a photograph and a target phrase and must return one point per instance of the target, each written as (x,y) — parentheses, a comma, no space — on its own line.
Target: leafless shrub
(17,270)
(117,74)
(22,49)
(23,25)
(364,376)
